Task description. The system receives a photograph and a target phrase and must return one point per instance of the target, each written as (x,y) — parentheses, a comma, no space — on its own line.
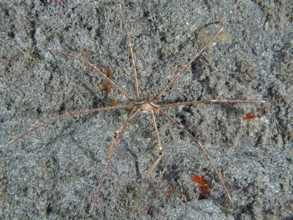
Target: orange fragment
(202,182)
(249,116)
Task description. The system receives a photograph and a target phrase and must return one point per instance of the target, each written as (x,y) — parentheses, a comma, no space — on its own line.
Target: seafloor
(52,173)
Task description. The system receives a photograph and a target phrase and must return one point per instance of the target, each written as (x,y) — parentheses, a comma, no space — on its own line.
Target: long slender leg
(207,102)
(157,161)
(116,139)
(202,148)
(51,120)
(157,133)
(130,48)
(95,68)
(183,69)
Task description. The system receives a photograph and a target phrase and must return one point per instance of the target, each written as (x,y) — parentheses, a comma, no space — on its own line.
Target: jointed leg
(184,68)
(95,68)
(130,48)
(116,139)
(200,145)
(51,120)
(155,164)
(209,102)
